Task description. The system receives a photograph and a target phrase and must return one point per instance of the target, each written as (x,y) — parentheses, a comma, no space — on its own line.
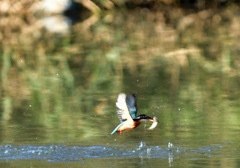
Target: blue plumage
(117,128)
(132,105)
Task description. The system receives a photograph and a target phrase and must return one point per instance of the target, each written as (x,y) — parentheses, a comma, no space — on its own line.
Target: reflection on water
(62,89)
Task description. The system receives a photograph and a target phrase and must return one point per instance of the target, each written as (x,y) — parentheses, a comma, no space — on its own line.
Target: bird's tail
(117,128)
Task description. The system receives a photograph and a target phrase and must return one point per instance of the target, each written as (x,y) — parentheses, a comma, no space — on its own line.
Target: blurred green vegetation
(172,59)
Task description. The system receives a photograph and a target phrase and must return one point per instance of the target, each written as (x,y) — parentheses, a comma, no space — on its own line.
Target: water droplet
(53,147)
(170,145)
(30,105)
(142,144)
(179,109)
(148,150)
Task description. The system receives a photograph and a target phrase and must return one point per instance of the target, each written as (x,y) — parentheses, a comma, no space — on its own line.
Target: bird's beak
(149,118)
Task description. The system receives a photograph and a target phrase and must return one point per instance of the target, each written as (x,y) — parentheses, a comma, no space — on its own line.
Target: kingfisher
(127,113)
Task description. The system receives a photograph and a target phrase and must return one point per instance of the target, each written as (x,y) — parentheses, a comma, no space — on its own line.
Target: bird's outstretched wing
(123,111)
(132,105)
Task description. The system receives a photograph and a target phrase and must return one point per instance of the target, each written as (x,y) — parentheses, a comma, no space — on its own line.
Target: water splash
(170,145)
(65,153)
(142,145)
(170,154)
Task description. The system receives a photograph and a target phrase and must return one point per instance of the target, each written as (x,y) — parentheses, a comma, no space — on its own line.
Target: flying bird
(127,114)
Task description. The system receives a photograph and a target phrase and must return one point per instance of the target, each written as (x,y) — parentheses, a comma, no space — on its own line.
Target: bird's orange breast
(128,126)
